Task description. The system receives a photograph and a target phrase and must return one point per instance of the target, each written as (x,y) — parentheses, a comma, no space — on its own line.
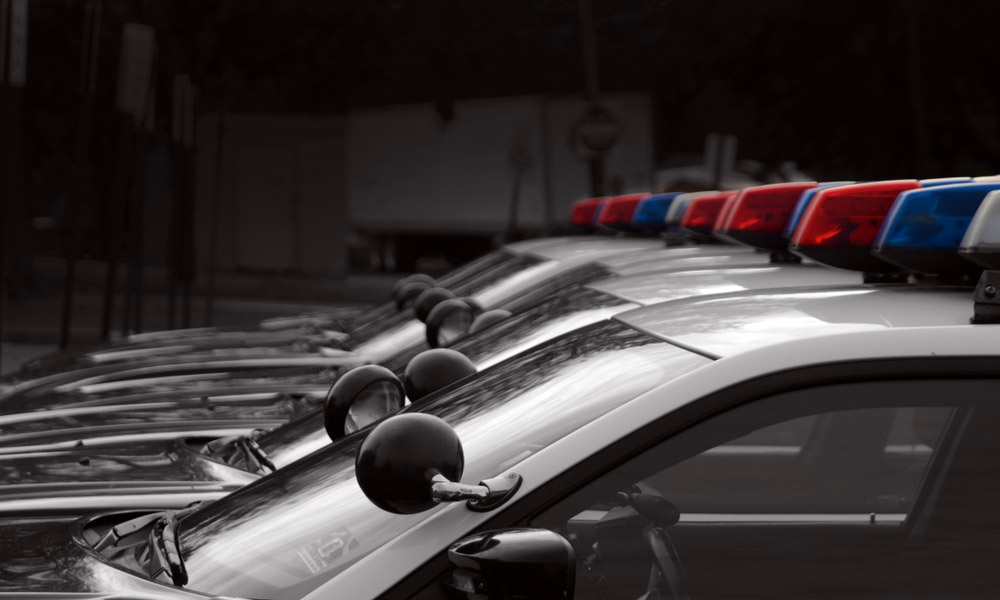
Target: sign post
(135,72)
(88,87)
(13,74)
(593,136)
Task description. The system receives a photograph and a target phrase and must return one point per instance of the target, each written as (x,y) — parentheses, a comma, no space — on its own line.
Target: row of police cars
(783,391)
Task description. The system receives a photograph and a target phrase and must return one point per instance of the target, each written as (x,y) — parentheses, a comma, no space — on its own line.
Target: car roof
(653,288)
(590,246)
(640,258)
(726,324)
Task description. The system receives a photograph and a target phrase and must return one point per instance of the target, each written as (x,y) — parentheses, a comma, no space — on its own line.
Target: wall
(281,205)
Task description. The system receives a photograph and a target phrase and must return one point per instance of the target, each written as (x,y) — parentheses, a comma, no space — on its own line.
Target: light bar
(944,181)
(841,223)
(651,213)
(758,214)
(800,207)
(704,210)
(680,205)
(925,227)
(981,243)
(723,216)
(618,210)
(584,212)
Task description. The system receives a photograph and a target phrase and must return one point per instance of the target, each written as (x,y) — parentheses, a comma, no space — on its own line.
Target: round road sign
(595,133)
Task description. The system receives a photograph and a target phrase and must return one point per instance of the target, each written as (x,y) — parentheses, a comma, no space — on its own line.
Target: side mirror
(514,563)
(428,299)
(488,319)
(361,397)
(408,294)
(398,286)
(434,369)
(448,321)
(398,461)
(412,462)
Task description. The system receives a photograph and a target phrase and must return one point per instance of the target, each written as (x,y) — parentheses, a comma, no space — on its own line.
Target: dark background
(859,90)
(855,90)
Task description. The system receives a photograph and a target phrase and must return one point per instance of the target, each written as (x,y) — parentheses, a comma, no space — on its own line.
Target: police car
(802,442)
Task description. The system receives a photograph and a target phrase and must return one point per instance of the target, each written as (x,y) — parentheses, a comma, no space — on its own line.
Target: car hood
(162,373)
(82,481)
(134,420)
(186,342)
(44,556)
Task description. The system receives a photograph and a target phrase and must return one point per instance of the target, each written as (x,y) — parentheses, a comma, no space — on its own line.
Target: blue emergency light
(944,181)
(651,213)
(924,228)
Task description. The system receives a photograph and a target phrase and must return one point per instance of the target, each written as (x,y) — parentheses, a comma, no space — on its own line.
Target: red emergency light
(704,211)
(757,215)
(841,223)
(618,210)
(584,212)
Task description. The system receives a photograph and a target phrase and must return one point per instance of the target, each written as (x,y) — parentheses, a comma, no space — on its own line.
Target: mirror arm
(488,495)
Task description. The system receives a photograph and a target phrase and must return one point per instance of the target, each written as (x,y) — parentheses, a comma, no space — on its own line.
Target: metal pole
(114,212)
(187,214)
(592,87)
(132,317)
(88,85)
(132,321)
(4,161)
(13,72)
(588,38)
(213,241)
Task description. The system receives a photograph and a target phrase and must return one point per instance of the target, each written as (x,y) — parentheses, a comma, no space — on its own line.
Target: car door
(814,493)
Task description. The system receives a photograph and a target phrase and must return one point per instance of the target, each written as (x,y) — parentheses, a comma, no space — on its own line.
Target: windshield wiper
(255,455)
(165,550)
(244,446)
(160,555)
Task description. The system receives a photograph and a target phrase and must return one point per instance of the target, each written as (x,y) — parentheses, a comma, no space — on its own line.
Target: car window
(828,492)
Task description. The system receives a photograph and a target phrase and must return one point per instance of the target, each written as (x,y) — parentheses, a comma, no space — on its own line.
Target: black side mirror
(361,397)
(488,319)
(514,563)
(398,461)
(434,369)
(412,462)
(448,321)
(398,286)
(408,294)
(428,299)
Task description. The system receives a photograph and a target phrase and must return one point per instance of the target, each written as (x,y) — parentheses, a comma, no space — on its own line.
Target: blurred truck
(450,184)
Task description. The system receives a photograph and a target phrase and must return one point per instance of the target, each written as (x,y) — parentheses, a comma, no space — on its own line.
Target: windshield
(570,309)
(290,531)
(386,319)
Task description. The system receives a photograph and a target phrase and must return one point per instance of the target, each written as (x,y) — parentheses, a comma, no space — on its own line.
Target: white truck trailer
(420,186)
